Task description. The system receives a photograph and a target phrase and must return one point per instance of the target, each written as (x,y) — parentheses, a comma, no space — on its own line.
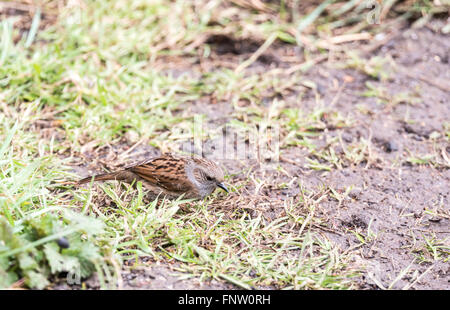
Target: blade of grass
(34,28)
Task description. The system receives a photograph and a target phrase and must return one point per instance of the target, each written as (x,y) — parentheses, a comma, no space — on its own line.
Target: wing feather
(166,172)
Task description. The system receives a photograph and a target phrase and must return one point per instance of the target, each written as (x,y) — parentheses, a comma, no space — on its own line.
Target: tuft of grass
(113,76)
(39,237)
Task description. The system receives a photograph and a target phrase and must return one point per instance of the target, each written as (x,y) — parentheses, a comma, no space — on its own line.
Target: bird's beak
(222,186)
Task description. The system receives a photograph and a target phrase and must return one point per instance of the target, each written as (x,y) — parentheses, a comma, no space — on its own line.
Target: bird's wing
(166,172)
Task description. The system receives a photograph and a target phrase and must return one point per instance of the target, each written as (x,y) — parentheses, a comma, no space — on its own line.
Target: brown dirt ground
(395,197)
(389,194)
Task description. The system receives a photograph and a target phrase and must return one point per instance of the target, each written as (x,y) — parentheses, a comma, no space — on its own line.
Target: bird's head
(208,176)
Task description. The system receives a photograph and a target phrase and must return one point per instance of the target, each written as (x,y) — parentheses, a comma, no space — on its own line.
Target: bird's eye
(209,178)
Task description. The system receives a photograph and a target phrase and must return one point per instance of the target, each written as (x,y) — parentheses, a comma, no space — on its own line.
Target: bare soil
(402,204)
(390,196)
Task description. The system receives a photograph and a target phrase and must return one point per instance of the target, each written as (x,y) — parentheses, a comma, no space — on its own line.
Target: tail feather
(101,177)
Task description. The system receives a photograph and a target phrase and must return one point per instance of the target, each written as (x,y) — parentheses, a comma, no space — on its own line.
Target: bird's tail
(102,177)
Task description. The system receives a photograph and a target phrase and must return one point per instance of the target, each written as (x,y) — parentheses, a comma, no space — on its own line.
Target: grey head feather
(203,177)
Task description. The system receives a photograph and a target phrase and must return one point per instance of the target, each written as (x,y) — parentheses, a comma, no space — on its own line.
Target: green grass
(91,81)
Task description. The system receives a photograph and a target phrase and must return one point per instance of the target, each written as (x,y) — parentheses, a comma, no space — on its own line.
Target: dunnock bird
(171,176)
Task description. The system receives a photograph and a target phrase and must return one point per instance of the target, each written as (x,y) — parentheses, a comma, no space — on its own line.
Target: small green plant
(375,67)
(43,246)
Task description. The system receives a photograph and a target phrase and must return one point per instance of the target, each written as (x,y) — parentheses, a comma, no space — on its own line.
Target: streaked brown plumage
(171,176)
